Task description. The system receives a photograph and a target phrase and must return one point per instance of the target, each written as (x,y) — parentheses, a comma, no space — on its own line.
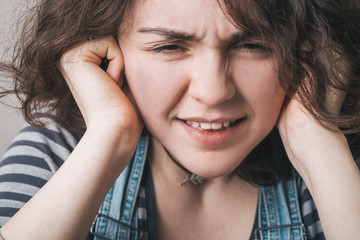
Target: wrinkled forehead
(196,16)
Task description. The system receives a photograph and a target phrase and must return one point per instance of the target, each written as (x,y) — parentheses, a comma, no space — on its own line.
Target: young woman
(186,119)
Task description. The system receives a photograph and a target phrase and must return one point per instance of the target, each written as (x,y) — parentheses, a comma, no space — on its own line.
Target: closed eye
(251,49)
(168,49)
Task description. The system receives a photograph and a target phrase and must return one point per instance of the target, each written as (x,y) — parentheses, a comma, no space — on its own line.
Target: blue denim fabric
(116,218)
(278,214)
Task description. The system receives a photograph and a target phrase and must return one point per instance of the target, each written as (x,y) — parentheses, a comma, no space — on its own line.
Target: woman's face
(207,91)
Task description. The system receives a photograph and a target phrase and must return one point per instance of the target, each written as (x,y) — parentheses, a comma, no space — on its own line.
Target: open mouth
(211,127)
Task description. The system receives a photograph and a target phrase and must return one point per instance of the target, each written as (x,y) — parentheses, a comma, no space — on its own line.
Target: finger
(98,49)
(88,82)
(116,60)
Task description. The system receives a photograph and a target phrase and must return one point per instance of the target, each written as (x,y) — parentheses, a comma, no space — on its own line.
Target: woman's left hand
(296,124)
(323,159)
(302,134)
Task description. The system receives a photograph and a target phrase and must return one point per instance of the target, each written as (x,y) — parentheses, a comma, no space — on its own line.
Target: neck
(226,201)
(167,171)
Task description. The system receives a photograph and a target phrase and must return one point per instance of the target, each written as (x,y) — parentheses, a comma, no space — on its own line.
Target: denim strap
(279,212)
(116,218)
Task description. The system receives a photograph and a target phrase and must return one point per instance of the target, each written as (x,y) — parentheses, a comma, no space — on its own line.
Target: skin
(201,74)
(209,78)
(205,82)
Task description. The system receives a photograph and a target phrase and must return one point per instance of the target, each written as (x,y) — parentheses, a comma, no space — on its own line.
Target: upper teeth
(208,126)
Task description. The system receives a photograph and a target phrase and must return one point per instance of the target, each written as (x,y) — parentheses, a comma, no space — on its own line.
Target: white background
(11,119)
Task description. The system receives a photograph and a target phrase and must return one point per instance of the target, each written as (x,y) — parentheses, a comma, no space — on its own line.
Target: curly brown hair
(316,43)
(317,46)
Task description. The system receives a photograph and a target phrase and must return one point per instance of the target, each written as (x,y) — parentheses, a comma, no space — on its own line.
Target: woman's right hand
(102,102)
(113,130)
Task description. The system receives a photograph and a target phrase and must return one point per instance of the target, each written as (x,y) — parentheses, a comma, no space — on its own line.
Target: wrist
(109,148)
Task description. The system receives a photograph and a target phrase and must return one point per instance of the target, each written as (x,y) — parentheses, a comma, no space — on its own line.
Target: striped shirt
(37,153)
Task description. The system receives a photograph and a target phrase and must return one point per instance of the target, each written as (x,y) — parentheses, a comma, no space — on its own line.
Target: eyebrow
(170,34)
(241,37)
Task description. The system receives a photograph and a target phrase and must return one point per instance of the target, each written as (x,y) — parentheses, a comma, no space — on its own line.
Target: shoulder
(31,160)
(52,144)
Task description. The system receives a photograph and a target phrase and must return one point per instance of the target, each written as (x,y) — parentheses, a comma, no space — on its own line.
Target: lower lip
(212,138)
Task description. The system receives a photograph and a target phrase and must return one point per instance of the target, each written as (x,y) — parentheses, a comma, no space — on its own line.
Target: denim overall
(278,209)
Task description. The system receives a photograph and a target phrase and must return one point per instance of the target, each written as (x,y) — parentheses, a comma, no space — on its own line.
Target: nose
(210,83)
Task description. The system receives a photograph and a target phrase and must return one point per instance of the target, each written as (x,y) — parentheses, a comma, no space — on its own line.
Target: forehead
(198,17)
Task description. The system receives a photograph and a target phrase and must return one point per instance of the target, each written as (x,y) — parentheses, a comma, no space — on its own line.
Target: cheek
(156,87)
(260,89)
(267,96)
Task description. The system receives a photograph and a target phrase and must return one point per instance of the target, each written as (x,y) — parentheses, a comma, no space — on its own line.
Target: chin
(212,171)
